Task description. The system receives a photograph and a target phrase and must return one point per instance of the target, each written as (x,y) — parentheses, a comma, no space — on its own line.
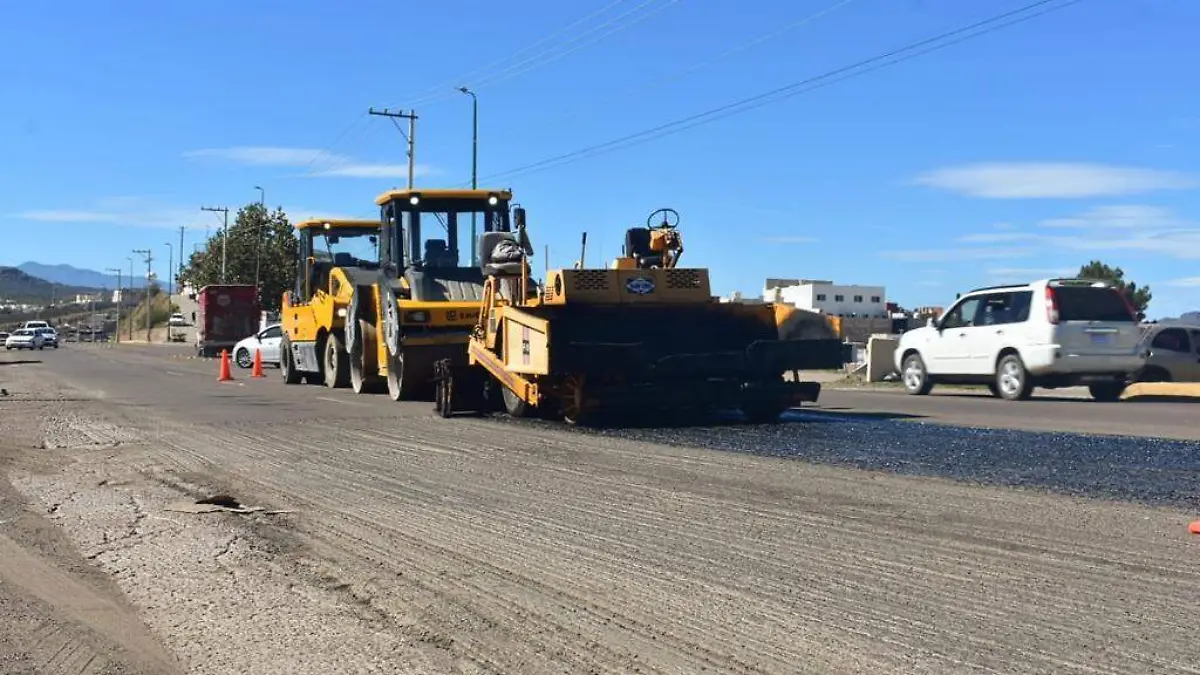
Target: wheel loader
(335,255)
(644,339)
(421,304)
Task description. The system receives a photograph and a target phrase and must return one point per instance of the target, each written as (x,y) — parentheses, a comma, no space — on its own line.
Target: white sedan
(26,338)
(267,341)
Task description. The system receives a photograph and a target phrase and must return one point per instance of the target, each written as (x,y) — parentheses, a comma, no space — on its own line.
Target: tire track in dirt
(388,490)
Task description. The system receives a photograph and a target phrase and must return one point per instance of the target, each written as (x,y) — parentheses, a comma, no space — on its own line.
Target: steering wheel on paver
(666,224)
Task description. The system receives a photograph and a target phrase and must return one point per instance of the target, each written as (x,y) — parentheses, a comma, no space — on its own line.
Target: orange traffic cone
(1194,528)
(256,371)
(225,375)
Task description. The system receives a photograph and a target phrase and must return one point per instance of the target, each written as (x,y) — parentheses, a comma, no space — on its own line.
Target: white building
(829,298)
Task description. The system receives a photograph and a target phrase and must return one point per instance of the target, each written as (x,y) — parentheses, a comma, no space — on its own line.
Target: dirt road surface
(396,542)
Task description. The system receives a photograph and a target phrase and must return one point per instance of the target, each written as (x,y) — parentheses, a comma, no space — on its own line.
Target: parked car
(25,338)
(177,320)
(1174,354)
(267,341)
(1050,333)
(49,335)
(3,335)
(35,324)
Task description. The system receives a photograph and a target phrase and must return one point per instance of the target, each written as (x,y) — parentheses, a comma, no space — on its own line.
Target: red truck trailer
(227,313)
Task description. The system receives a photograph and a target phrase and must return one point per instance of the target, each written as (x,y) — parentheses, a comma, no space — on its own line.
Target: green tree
(1138,296)
(257,240)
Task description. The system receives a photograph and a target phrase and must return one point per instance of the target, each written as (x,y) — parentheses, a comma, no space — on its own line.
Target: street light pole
(474,165)
(170,268)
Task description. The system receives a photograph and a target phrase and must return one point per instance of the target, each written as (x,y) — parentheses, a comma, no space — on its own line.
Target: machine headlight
(414,200)
(493,200)
(418,316)
(341,312)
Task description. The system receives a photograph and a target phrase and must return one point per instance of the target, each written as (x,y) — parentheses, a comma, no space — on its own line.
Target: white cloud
(1120,216)
(995,237)
(1141,229)
(1042,180)
(1186,282)
(958,254)
(140,212)
(131,211)
(790,240)
(321,162)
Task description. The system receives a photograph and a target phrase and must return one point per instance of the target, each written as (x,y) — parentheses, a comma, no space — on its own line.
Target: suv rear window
(1088,303)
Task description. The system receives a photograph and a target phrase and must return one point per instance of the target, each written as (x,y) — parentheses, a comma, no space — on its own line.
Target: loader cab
(325,244)
(425,240)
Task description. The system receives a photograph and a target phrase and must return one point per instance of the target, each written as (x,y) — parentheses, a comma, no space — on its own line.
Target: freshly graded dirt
(412,544)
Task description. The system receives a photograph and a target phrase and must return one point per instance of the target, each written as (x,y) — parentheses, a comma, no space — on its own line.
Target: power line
(510,73)
(442,91)
(878,62)
(719,57)
(442,88)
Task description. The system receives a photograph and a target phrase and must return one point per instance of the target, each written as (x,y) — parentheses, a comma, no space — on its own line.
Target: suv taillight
(1051,305)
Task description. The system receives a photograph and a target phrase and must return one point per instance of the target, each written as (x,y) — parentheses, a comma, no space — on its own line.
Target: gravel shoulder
(414,544)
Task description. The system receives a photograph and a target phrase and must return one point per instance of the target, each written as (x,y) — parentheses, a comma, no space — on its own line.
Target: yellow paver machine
(644,339)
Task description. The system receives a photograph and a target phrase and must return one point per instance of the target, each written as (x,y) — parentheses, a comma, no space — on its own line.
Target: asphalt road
(491,546)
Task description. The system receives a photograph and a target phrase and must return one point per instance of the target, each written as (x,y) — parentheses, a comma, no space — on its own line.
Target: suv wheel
(916,378)
(1012,380)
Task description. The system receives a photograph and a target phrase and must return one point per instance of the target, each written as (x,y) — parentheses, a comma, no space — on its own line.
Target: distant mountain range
(17,286)
(79,278)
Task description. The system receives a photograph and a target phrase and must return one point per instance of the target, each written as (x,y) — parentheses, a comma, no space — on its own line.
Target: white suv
(1050,333)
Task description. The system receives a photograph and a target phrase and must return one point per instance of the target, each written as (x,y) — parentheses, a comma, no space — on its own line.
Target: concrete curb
(1159,392)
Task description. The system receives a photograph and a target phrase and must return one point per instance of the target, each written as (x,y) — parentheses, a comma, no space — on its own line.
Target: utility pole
(224,235)
(149,259)
(411,116)
(123,299)
(120,297)
(181,230)
(474,165)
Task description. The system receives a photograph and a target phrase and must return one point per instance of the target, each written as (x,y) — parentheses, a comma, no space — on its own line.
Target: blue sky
(1017,155)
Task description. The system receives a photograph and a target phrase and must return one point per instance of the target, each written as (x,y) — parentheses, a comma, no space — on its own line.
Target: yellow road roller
(335,256)
(642,340)
(421,305)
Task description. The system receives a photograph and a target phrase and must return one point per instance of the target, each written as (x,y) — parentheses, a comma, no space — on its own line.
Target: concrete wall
(881,352)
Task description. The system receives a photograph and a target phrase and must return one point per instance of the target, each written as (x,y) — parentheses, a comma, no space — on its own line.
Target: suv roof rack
(1078,281)
(994,288)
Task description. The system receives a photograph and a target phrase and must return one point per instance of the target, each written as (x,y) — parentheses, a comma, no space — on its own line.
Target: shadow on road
(841,413)
(22,362)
